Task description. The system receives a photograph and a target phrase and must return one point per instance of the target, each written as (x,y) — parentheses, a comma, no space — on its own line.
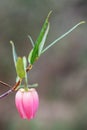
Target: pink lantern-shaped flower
(27,103)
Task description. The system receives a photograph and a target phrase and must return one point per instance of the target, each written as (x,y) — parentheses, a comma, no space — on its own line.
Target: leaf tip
(11,42)
(49,14)
(82,22)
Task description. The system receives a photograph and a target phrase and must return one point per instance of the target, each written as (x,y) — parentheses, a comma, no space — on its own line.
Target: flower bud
(27,103)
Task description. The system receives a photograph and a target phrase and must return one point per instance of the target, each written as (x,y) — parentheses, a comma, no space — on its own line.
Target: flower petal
(19,105)
(35,101)
(28,104)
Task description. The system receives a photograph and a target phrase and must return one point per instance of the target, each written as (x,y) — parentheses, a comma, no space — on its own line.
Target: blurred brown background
(61,72)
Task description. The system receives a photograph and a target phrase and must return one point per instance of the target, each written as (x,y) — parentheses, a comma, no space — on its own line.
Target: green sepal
(20,69)
(38,47)
(33,85)
(29,86)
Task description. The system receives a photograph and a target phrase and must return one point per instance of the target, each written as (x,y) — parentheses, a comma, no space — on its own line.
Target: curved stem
(15,87)
(5,94)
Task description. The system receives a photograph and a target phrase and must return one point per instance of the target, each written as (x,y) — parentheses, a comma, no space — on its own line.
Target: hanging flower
(27,103)
(27,100)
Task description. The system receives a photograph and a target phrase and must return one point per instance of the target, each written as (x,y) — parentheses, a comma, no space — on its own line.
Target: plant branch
(5,84)
(14,88)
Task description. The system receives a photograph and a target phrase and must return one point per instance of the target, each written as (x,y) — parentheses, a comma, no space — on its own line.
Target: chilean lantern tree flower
(27,102)
(26,98)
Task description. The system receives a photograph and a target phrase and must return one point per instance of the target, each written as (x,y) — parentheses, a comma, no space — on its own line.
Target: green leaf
(25,65)
(20,68)
(61,37)
(37,50)
(30,57)
(41,45)
(24,62)
(14,53)
(17,79)
(32,42)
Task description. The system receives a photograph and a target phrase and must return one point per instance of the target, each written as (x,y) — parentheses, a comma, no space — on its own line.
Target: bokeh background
(61,72)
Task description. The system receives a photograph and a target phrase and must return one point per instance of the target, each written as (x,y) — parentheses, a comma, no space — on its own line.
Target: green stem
(65,34)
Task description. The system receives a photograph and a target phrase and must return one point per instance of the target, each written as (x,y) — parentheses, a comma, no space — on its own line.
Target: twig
(5,84)
(14,88)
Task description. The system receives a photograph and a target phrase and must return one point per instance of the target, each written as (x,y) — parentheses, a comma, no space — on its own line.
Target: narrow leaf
(14,53)
(65,34)
(24,62)
(20,68)
(31,40)
(25,65)
(41,45)
(30,59)
(36,51)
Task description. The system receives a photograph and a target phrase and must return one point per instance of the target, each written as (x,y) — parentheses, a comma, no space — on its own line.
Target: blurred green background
(61,72)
